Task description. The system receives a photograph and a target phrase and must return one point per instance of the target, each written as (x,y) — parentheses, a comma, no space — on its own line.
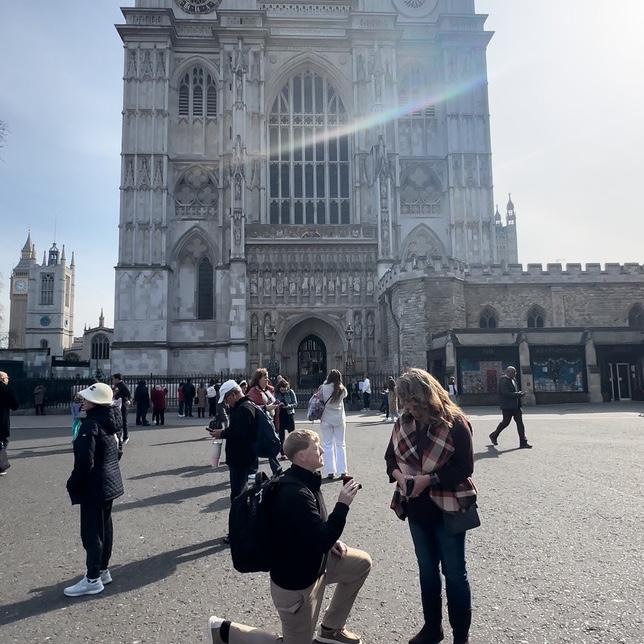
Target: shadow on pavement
(187,472)
(126,578)
(218,505)
(176,496)
(30,453)
(493,452)
(191,440)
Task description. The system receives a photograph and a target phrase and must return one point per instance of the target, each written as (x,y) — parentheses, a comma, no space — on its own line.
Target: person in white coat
(333,425)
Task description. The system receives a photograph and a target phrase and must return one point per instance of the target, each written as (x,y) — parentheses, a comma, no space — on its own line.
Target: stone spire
(44,258)
(62,256)
(73,262)
(497,215)
(101,319)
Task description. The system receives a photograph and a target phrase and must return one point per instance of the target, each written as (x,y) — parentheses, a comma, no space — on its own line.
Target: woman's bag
(462,521)
(316,407)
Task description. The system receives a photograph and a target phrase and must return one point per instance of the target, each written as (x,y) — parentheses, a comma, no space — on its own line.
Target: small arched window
(100,347)
(197,94)
(488,319)
(636,317)
(536,318)
(205,295)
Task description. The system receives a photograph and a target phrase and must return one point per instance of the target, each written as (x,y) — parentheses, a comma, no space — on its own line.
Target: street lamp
(273,365)
(349,365)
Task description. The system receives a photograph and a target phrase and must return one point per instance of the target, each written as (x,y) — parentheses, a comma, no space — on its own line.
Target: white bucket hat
(99,394)
(226,388)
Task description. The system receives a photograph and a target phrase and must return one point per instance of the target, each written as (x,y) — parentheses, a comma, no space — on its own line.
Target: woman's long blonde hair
(420,386)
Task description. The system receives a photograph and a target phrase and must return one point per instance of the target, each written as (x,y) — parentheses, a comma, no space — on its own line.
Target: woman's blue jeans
(434,547)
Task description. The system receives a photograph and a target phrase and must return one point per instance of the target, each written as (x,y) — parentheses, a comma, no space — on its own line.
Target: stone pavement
(558,558)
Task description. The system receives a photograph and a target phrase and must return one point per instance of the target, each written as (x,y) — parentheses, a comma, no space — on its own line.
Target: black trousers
(239,476)
(158,416)
(124,417)
(96,535)
(187,407)
(366,400)
(201,412)
(508,415)
(141,415)
(212,407)
(40,409)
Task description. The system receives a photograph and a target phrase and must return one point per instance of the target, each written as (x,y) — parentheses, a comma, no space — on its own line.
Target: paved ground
(559,557)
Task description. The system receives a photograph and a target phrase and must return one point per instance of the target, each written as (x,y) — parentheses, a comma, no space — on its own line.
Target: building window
(68,288)
(488,319)
(309,180)
(47,288)
(636,317)
(197,94)
(100,347)
(205,284)
(417,124)
(536,318)
(44,344)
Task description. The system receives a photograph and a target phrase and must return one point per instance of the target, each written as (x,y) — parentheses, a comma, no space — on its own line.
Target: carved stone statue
(371,326)
(254,327)
(253,285)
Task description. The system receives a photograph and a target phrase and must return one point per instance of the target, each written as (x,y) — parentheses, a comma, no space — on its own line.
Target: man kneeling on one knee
(306,556)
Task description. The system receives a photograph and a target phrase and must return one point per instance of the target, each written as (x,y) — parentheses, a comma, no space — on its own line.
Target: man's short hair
(117,376)
(299,440)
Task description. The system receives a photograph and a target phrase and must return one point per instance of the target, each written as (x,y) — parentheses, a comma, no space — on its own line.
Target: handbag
(4,460)
(463,520)
(316,406)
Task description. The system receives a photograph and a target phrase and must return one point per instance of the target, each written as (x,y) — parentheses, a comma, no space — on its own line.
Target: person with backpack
(94,483)
(305,555)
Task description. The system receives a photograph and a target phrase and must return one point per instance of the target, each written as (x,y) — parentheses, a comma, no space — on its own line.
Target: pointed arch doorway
(311,362)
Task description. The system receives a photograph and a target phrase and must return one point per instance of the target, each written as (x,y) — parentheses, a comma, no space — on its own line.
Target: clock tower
(42,301)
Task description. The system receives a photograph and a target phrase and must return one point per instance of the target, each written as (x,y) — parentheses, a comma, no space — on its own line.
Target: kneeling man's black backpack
(249,527)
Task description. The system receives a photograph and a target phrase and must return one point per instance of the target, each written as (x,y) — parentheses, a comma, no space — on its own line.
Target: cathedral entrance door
(311,362)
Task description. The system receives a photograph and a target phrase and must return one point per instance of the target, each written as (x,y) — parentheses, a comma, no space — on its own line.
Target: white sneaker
(106,577)
(85,587)
(214,624)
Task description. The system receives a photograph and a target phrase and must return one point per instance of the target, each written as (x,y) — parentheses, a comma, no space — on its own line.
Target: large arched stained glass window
(205,290)
(309,154)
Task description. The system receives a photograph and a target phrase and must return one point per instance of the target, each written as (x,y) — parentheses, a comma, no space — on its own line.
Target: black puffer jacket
(96,476)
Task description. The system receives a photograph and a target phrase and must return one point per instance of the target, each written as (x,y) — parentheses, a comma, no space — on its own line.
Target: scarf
(440,450)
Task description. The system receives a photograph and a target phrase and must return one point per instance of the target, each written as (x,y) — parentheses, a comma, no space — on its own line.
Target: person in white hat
(94,484)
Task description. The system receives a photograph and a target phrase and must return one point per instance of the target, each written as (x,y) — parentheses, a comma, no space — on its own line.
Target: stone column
(592,369)
(527,381)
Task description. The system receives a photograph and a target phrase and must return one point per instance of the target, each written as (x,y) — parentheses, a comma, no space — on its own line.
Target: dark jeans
(435,546)
(201,412)
(508,415)
(366,400)
(96,535)
(40,410)
(158,416)
(181,407)
(187,406)
(212,407)
(124,417)
(238,477)
(141,415)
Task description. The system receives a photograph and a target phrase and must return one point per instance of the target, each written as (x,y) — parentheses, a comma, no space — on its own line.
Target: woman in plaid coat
(430,458)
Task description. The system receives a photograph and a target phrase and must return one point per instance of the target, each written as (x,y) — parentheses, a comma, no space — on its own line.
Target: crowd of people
(429,457)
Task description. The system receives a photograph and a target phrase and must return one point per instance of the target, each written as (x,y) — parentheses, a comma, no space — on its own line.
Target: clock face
(20,286)
(416,8)
(45,320)
(198,6)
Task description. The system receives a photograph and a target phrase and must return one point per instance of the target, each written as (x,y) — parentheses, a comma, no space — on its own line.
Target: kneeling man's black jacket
(301,531)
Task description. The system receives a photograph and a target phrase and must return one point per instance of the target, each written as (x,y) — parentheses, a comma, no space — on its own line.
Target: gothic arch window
(197,94)
(636,317)
(536,318)
(100,347)
(418,122)
(488,318)
(205,289)
(309,170)
(47,288)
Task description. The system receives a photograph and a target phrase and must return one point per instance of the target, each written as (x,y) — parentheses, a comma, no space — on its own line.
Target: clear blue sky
(566,97)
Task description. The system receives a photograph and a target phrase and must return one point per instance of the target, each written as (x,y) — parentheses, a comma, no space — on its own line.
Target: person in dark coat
(510,403)
(8,403)
(122,393)
(94,483)
(142,401)
(189,392)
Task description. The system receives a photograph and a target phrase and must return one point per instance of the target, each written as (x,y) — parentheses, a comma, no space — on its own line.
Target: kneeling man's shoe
(525,445)
(85,587)
(214,630)
(427,636)
(340,636)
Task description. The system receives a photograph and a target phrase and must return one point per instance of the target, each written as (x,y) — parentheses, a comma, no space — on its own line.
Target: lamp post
(273,365)
(349,364)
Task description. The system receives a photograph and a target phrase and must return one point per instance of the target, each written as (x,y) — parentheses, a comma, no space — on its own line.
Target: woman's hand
(421,483)
(215,433)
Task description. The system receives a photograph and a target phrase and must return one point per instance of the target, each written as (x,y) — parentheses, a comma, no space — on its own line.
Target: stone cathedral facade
(278,159)
(310,184)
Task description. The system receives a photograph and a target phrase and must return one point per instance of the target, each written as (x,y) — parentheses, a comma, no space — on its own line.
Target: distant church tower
(42,301)
(506,234)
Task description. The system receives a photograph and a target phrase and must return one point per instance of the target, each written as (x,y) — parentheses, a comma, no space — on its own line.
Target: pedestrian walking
(452,390)
(430,458)
(384,403)
(122,393)
(189,392)
(142,402)
(262,393)
(159,402)
(202,399)
(8,403)
(181,399)
(366,393)
(510,403)
(212,392)
(94,483)
(333,425)
(287,401)
(392,398)
(306,556)
(40,394)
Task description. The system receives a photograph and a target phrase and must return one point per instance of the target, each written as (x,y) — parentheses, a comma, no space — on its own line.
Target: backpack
(249,525)
(268,443)
(316,406)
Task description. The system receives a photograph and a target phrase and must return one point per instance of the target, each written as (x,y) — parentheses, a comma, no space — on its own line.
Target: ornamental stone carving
(421,189)
(196,195)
